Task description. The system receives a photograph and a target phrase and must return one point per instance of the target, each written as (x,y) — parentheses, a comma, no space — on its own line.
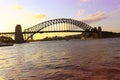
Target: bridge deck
(45,32)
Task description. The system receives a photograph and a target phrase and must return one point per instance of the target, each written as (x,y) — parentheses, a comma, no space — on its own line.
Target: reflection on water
(61,60)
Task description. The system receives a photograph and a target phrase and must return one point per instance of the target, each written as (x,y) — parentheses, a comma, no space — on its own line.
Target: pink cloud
(101,15)
(81,12)
(84,0)
(115,12)
(98,16)
(40,16)
(88,0)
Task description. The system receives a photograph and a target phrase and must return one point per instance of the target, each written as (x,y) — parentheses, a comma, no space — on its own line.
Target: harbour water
(97,59)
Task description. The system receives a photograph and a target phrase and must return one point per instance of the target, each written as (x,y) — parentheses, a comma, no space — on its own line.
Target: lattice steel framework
(39,27)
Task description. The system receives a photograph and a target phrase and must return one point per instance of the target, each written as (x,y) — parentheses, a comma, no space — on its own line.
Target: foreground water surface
(62,60)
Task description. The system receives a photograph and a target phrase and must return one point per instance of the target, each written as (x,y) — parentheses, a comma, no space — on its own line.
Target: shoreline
(5,44)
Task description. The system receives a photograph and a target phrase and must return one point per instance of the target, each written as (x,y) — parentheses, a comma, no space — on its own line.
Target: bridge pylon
(18,34)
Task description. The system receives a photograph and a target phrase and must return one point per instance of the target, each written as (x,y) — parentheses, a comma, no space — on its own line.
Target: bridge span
(50,26)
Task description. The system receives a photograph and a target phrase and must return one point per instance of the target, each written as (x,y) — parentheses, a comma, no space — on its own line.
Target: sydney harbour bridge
(50,26)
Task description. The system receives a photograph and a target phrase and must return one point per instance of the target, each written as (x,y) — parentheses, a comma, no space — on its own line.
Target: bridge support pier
(95,33)
(18,34)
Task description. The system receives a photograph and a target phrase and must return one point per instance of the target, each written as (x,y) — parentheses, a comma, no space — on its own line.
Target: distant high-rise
(99,28)
(100,31)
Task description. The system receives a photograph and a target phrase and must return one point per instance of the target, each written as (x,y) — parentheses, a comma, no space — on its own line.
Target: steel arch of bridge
(39,27)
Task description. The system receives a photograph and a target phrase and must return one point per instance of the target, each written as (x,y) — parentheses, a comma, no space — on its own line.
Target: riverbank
(5,44)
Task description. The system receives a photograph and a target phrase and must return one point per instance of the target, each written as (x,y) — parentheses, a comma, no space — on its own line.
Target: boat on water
(5,44)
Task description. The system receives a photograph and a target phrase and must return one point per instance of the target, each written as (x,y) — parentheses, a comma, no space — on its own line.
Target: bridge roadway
(45,32)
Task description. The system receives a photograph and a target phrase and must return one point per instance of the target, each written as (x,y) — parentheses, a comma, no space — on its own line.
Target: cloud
(80,13)
(98,16)
(119,6)
(18,7)
(40,16)
(87,0)
(115,12)
(101,15)
(12,15)
(84,0)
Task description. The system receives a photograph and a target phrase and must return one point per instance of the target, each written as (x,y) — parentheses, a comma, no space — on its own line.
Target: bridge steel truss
(30,32)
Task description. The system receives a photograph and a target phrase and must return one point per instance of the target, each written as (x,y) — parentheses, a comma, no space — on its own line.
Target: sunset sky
(105,13)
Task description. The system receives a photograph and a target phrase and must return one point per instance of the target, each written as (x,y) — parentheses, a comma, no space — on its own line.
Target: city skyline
(103,13)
